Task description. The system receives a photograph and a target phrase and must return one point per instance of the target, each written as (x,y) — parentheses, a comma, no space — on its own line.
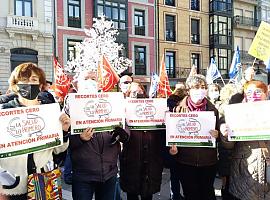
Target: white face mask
(197,95)
(124,87)
(213,95)
(86,86)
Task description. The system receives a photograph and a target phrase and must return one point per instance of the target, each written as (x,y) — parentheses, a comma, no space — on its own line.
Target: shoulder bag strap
(31,166)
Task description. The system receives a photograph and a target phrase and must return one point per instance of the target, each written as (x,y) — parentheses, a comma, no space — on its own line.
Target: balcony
(22,22)
(139,30)
(223,40)
(246,23)
(253,2)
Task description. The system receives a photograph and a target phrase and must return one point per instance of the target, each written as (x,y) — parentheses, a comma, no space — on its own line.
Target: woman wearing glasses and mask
(26,81)
(196,165)
(248,164)
(141,158)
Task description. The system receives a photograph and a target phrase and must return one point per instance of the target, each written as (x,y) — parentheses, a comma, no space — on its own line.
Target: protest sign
(101,111)
(30,129)
(146,114)
(248,121)
(260,47)
(190,129)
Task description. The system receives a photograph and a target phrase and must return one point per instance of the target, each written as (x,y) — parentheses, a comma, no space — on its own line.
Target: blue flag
(154,85)
(212,72)
(234,69)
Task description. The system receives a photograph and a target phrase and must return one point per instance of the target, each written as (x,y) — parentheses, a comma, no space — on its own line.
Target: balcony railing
(22,22)
(220,39)
(246,21)
(139,30)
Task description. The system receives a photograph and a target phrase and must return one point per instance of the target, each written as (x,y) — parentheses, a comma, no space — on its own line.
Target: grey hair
(195,79)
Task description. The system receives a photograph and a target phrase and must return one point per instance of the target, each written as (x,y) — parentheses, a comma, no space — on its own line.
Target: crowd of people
(104,163)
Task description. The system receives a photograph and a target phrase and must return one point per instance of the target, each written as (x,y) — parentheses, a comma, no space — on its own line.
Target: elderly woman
(26,81)
(247,177)
(196,165)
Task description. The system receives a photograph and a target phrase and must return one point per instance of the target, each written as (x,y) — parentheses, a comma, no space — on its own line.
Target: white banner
(146,114)
(190,129)
(101,111)
(30,129)
(248,121)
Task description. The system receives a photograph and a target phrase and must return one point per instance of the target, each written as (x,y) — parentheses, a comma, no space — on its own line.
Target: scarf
(196,107)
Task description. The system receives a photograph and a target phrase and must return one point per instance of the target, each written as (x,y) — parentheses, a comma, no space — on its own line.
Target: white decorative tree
(100,41)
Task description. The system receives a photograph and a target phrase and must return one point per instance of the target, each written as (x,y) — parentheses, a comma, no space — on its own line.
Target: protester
(197,166)
(46,92)
(248,166)
(26,81)
(124,84)
(94,155)
(141,158)
(173,101)
(214,94)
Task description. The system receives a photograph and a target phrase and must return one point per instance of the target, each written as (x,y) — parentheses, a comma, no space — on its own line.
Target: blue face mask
(28,91)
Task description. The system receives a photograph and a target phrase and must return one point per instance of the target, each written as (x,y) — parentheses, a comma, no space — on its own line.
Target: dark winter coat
(225,154)
(197,156)
(96,159)
(141,163)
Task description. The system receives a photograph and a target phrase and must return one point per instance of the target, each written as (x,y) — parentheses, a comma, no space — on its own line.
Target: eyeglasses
(257,92)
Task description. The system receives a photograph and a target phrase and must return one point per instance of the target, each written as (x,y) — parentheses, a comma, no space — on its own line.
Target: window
(140,60)
(74,13)
(23,8)
(22,55)
(195,31)
(139,22)
(195,5)
(72,51)
(220,30)
(170,28)
(195,60)
(113,11)
(221,6)
(170,64)
(170,2)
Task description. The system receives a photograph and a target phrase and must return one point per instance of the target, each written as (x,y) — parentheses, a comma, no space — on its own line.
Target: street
(163,195)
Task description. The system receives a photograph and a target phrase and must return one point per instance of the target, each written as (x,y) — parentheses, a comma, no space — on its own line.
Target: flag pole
(222,80)
(253,62)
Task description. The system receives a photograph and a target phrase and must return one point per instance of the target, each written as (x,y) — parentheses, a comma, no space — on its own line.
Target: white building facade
(26,35)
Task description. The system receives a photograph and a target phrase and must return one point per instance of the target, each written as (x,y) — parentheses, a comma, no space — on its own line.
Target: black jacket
(96,159)
(141,162)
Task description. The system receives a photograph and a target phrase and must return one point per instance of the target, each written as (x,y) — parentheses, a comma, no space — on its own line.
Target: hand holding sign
(173,150)
(87,134)
(224,130)
(65,121)
(214,133)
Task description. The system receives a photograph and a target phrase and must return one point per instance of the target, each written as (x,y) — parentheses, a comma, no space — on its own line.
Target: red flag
(164,88)
(62,82)
(106,75)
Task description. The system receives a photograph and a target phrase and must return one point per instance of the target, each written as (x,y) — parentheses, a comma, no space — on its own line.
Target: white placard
(248,121)
(190,129)
(30,129)
(101,111)
(146,114)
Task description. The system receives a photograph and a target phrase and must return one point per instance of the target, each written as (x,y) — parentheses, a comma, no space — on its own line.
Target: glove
(119,134)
